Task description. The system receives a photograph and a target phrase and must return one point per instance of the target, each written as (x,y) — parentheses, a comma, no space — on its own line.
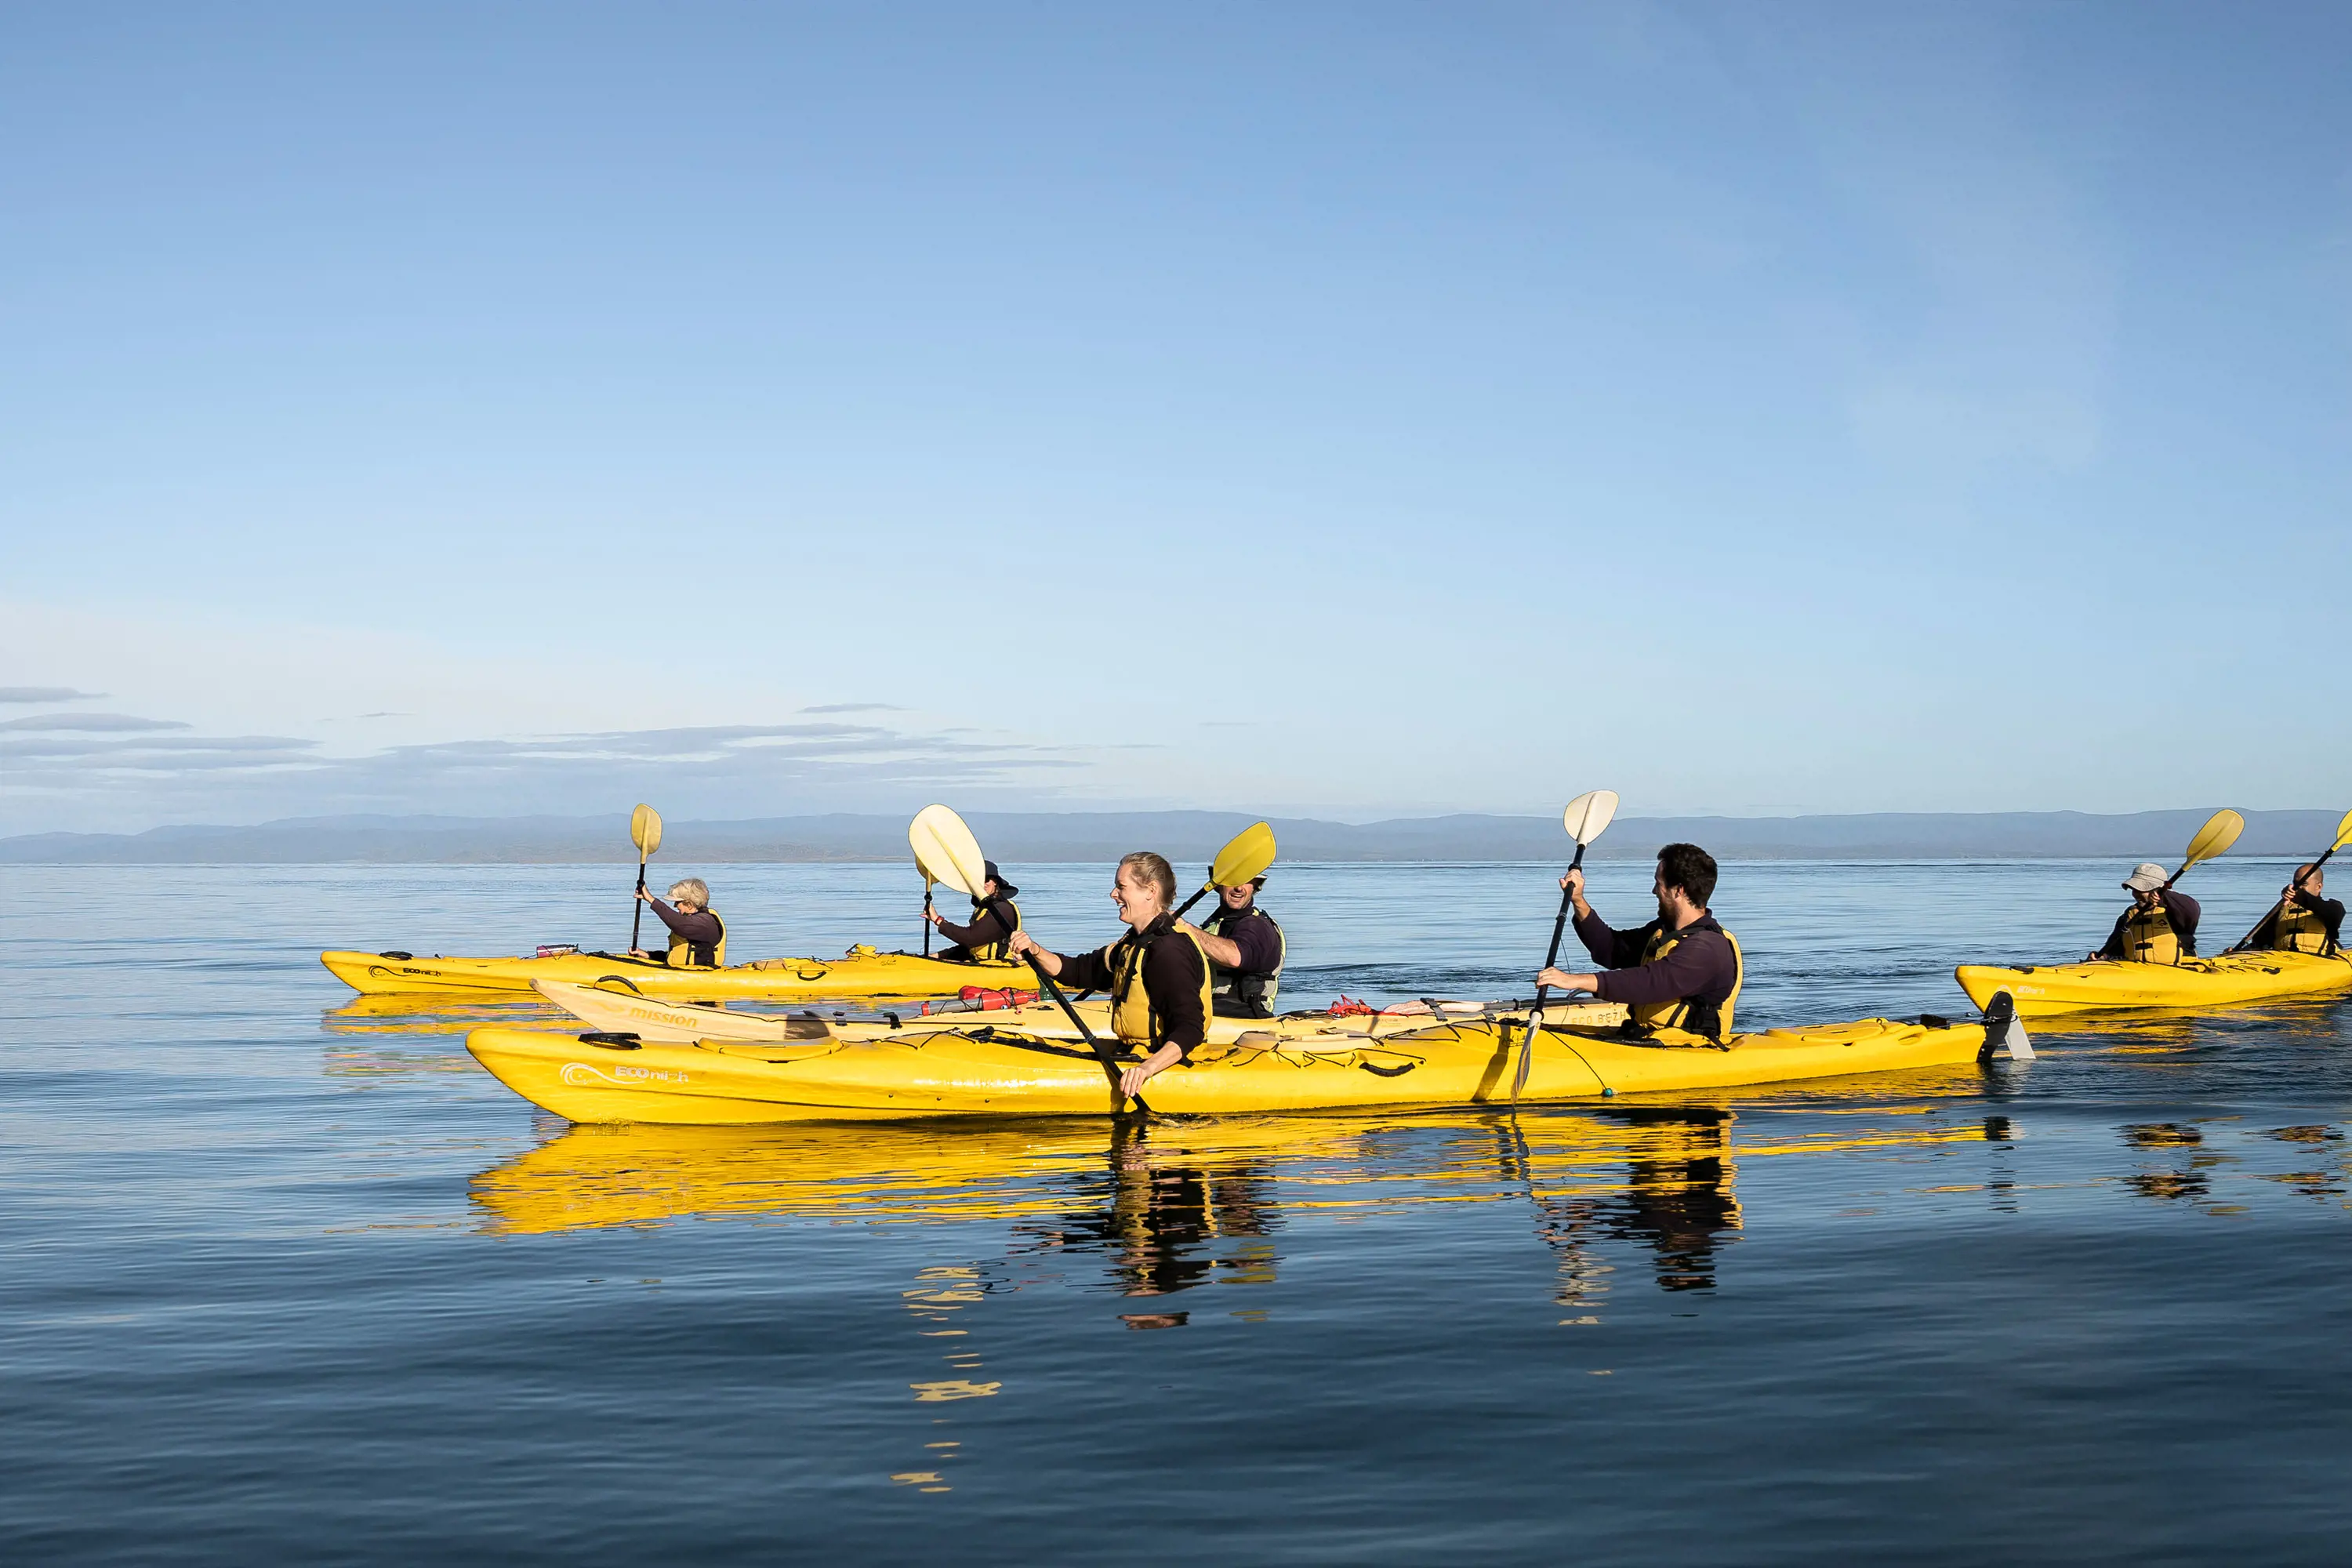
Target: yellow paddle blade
(946,851)
(1588,814)
(2343,833)
(2219,833)
(644,829)
(1247,855)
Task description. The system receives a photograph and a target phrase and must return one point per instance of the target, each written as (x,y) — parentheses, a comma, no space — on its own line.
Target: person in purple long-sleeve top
(1677,975)
(1244,946)
(697,937)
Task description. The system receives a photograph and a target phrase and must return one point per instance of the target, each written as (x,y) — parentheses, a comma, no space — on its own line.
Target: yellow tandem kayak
(861,972)
(992,1071)
(2231,978)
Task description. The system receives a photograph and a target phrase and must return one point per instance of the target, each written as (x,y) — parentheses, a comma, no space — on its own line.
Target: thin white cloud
(119,781)
(46,694)
(90,723)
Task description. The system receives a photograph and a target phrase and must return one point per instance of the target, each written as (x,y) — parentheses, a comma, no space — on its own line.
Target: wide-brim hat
(2146,877)
(1005,889)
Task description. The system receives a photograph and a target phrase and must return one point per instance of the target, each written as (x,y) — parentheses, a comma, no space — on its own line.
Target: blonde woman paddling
(1157,976)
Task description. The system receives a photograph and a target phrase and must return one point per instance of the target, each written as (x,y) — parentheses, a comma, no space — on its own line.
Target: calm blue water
(284,1282)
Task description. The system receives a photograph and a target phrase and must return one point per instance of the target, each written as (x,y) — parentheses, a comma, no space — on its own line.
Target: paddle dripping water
(296,1268)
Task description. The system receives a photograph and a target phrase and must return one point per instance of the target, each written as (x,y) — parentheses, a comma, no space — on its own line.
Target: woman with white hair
(697,937)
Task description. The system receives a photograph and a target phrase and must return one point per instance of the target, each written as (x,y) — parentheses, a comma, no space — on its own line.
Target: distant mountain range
(1185,836)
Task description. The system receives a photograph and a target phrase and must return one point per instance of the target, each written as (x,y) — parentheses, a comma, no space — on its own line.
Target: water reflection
(1678,1201)
(1156,1212)
(1170,1220)
(1172,1205)
(629,1175)
(406,1015)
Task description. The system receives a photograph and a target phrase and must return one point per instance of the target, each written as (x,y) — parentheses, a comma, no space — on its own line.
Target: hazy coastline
(1048,836)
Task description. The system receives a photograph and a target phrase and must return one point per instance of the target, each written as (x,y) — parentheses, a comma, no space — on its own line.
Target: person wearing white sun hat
(2160,926)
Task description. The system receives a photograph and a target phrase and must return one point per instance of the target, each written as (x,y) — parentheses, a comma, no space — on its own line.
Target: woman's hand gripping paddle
(1586,816)
(1245,856)
(2343,836)
(945,847)
(645,832)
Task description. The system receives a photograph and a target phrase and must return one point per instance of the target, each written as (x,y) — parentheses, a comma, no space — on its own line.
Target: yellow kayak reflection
(1173,1203)
(403,1016)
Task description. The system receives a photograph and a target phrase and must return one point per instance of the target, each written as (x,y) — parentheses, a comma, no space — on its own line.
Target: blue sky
(1349,409)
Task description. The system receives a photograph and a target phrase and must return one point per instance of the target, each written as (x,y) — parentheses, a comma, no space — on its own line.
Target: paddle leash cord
(1570,1046)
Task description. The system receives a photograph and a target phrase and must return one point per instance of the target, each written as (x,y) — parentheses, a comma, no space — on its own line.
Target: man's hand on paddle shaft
(1573,886)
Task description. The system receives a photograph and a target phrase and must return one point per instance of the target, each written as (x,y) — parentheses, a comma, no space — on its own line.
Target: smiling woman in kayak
(1157,976)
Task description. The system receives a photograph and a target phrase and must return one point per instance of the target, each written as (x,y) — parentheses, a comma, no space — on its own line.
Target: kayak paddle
(645,832)
(2220,831)
(946,847)
(937,835)
(1586,816)
(2343,836)
(1247,855)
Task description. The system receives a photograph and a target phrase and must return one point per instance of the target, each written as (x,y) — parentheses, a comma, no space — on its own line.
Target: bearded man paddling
(1245,947)
(1679,975)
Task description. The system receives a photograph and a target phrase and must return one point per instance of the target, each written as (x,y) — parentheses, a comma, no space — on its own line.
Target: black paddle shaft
(927,919)
(1559,925)
(637,912)
(1102,1052)
(1551,956)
